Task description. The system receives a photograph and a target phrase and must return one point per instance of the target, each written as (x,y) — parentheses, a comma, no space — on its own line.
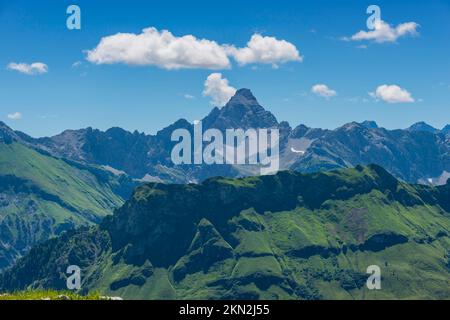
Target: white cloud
(392,94)
(266,50)
(152,47)
(189,96)
(77,64)
(323,91)
(159,48)
(15,116)
(383,32)
(30,69)
(218,89)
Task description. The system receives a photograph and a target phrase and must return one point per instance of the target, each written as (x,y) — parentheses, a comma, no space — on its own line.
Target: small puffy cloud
(266,50)
(30,69)
(383,32)
(218,89)
(15,116)
(392,94)
(159,48)
(323,91)
(189,96)
(152,47)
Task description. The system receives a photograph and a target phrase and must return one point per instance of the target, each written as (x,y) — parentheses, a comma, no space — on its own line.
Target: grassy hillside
(50,295)
(41,196)
(288,236)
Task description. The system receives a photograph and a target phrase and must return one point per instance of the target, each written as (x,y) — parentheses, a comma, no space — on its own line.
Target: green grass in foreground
(50,295)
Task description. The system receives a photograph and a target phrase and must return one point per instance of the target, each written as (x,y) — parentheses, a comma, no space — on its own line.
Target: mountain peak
(179,124)
(422,126)
(4,126)
(243,97)
(7,135)
(351,126)
(242,111)
(370,124)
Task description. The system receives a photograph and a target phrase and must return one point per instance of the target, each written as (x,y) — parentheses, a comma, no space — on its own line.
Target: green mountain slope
(41,196)
(288,236)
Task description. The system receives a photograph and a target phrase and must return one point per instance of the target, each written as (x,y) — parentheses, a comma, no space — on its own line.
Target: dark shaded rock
(381,241)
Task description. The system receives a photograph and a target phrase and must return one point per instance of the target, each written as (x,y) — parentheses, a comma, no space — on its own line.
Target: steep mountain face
(115,147)
(446,129)
(242,111)
(287,236)
(420,153)
(42,196)
(7,135)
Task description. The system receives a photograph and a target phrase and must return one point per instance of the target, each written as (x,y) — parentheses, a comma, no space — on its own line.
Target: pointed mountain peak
(206,232)
(370,124)
(7,134)
(179,124)
(3,126)
(422,126)
(242,111)
(243,97)
(207,248)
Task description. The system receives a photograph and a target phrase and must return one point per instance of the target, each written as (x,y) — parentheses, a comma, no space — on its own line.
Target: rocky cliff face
(242,111)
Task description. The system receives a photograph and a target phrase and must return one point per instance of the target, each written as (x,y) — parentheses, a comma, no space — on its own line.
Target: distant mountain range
(287,236)
(194,236)
(52,184)
(420,153)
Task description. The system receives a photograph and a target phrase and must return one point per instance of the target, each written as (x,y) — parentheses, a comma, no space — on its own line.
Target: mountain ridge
(286,236)
(148,157)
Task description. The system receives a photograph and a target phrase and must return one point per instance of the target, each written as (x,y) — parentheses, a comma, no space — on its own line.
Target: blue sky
(149,97)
